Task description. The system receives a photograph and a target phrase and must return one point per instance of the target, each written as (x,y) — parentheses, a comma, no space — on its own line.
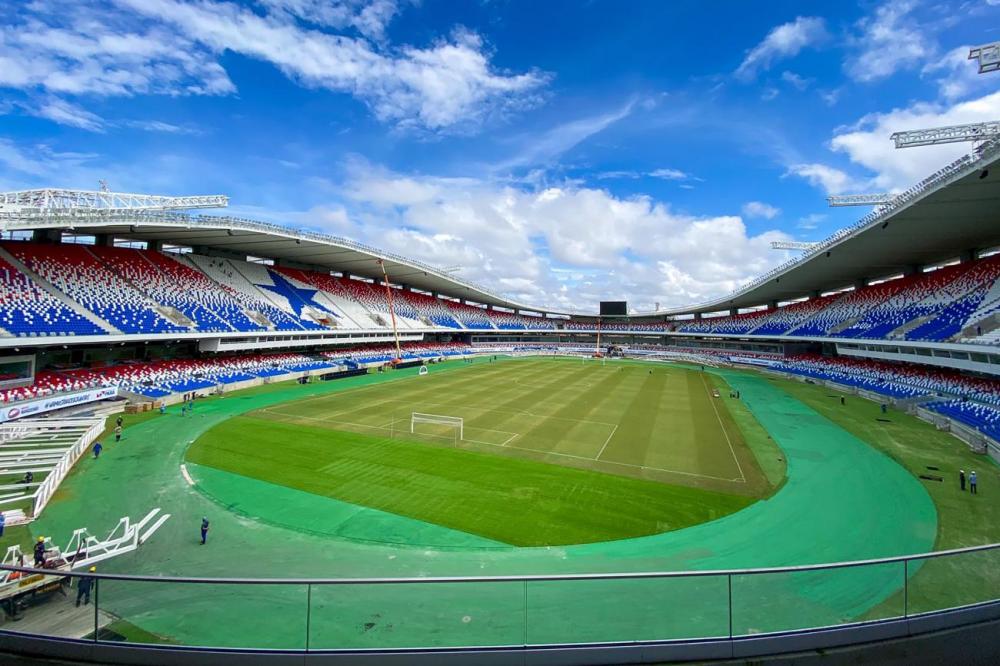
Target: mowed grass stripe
(559,411)
(510,500)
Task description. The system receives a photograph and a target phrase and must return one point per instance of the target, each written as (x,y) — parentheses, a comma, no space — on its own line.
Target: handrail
(513,578)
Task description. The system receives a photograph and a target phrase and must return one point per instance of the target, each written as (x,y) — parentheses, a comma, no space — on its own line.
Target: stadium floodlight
(60,199)
(988,56)
(859,200)
(792,245)
(949,134)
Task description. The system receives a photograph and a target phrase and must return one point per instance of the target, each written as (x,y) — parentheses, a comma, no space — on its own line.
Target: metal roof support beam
(67,200)
(948,134)
(880,199)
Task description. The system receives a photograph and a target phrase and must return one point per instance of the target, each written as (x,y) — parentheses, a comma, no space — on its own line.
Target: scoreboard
(614,308)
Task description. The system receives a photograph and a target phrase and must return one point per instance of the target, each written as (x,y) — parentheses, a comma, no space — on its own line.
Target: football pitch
(550,451)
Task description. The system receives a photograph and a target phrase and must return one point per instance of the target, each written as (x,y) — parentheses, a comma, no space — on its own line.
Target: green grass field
(554,451)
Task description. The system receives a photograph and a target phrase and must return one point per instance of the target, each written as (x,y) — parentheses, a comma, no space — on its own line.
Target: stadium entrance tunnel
(842,501)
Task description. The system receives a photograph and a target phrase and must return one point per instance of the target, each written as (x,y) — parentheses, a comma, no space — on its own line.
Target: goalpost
(438,419)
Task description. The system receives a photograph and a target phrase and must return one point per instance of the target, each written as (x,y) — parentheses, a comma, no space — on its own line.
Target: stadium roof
(953,211)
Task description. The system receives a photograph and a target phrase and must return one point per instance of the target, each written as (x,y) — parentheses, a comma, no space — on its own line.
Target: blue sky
(560,152)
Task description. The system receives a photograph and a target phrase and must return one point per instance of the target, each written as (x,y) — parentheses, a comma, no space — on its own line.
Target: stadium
(239,441)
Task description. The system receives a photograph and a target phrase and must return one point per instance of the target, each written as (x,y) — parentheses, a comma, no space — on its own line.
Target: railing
(526,611)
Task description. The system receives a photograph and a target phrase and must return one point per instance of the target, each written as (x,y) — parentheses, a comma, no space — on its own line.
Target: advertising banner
(34,407)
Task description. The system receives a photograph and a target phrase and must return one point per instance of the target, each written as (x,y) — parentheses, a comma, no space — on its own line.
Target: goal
(455,422)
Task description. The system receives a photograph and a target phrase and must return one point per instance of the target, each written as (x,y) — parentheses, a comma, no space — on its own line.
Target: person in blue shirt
(972,482)
(204,530)
(83,587)
(97,450)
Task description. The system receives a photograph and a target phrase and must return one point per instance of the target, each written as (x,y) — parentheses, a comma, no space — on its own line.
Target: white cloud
(161,127)
(867,143)
(65,113)
(760,209)
(543,148)
(888,41)
(831,97)
(796,81)
(784,41)
(829,179)
(618,175)
(60,48)
(448,84)
(811,221)
(370,18)
(669,174)
(956,76)
(23,165)
(662,174)
(530,242)
(172,47)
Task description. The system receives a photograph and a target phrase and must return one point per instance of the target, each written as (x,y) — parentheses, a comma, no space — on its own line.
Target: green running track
(842,501)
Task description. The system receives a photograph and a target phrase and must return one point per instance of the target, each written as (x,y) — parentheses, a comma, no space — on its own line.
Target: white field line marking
(273,410)
(611,462)
(601,452)
(728,441)
(742,479)
(187,477)
(326,396)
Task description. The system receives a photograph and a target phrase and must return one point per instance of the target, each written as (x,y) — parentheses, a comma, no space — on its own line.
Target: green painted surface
(842,500)
(629,420)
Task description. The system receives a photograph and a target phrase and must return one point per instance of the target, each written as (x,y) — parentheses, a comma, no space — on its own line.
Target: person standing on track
(97,450)
(118,433)
(204,530)
(972,482)
(83,588)
(961,480)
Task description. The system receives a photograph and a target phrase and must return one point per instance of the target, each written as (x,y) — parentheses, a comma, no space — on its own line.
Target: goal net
(454,423)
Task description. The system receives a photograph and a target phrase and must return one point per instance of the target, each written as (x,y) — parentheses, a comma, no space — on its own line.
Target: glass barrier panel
(951,581)
(791,600)
(204,615)
(628,609)
(412,615)
(45,605)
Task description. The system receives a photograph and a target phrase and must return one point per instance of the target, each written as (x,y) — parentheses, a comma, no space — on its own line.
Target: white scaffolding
(50,199)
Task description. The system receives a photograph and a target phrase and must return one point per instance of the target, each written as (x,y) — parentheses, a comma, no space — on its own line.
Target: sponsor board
(32,407)
(750,360)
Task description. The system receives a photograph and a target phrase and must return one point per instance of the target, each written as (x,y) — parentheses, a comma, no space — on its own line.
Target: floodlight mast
(392,309)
